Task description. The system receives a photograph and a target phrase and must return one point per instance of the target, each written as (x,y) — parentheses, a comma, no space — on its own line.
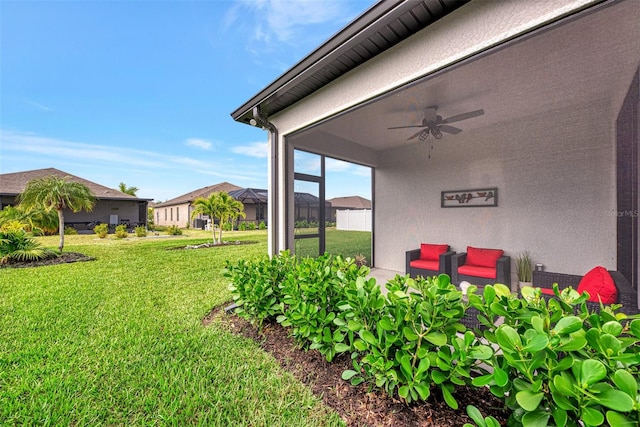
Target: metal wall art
(482,197)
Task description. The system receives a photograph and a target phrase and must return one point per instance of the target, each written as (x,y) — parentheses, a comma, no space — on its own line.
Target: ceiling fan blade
(463,116)
(406,127)
(449,129)
(414,135)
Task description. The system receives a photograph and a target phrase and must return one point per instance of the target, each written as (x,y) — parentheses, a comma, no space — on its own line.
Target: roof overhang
(382,26)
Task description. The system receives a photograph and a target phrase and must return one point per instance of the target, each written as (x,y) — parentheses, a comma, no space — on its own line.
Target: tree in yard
(57,194)
(207,206)
(218,205)
(127,190)
(230,210)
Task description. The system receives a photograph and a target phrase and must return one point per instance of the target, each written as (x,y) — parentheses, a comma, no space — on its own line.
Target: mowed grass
(337,242)
(119,341)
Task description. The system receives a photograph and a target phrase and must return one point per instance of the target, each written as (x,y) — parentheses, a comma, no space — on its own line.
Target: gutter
(273,194)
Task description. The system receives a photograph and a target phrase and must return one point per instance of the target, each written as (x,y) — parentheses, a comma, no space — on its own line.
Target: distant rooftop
(12,184)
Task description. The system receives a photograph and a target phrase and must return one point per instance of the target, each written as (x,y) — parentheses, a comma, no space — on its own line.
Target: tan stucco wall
(178,215)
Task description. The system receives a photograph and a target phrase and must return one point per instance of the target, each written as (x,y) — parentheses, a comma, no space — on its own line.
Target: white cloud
(277,21)
(199,143)
(253,149)
(55,150)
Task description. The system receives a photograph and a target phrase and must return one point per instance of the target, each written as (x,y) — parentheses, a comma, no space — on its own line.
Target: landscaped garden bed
(358,406)
(547,362)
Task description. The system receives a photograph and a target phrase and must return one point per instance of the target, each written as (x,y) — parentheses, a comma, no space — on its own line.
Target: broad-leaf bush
(552,362)
(255,286)
(559,364)
(419,341)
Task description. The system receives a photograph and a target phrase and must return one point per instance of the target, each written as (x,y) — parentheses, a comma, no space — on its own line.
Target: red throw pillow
(598,282)
(482,257)
(432,252)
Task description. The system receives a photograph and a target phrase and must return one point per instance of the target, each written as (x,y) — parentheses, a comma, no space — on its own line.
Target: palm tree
(230,210)
(207,206)
(55,193)
(127,190)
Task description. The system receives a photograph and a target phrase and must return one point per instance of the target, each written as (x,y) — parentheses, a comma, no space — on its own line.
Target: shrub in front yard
(174,230)
(141,231)
(121,231)
(101,230)
(70,231)
(17,246)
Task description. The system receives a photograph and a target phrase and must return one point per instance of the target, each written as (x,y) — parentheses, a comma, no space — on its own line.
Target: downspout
(273,227)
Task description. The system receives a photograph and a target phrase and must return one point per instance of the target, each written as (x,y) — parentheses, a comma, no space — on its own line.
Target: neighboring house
(559,86)
(177,211)
(112,206)
(347,203)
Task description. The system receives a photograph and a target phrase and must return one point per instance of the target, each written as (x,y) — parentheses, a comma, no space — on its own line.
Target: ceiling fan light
(436,133)
(424,135)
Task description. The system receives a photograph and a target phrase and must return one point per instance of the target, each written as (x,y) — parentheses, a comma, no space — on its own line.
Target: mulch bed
(358,406)
(63,258)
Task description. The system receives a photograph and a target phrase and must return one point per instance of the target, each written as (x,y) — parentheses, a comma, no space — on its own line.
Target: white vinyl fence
(353,220)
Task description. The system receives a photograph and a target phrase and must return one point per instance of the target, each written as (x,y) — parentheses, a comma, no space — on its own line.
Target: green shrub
(174,230)
(255,286)
(121,231)
(12,225)
(419,341)
(227,226)
(101,230)
(17,246)
(558,363)
(70,231)
(251,226)
(262,226)
(551,362)
(313,297)
(242,226)
(141,231)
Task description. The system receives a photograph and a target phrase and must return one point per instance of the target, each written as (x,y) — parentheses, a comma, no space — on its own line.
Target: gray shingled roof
(350,202)
(201,192)
(12,184)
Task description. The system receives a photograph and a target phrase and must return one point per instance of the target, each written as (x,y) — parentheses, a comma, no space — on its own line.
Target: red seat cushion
(432,252)
(599,283)
(425,264)
(482,257)
(547,291)
(476,271)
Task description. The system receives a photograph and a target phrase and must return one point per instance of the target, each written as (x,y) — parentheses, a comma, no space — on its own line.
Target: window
(177,213)
(171,214)
(165,214)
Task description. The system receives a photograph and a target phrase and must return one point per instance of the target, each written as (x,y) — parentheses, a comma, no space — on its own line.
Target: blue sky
(141,91)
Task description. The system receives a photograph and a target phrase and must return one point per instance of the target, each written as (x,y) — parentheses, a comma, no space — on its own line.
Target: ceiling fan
(434,124)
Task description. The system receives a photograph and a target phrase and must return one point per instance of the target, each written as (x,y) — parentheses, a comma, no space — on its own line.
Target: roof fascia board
(343,40)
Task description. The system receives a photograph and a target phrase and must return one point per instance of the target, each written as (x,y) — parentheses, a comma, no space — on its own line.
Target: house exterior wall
(556,194)
(576,194)
(468,30)
(178,215)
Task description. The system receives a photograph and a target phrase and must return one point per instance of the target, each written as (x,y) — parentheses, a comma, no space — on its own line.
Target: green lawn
(338,242)
(119,341)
